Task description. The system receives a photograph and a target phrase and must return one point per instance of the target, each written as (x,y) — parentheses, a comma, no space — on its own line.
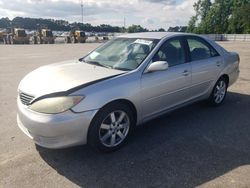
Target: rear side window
(172,52)
(200,49)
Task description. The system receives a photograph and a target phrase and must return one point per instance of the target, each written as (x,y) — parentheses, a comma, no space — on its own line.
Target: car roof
(151,35)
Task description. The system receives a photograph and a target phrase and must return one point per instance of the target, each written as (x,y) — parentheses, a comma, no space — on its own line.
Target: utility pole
(82,10)
(124,22)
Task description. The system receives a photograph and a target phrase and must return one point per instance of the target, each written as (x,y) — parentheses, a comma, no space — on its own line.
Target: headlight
(56,105)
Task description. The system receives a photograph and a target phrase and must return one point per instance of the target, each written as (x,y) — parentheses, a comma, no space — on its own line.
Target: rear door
(206,65)
(162,90)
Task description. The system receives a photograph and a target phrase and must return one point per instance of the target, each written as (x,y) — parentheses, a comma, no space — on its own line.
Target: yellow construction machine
(76,36)
(43,36)
(16,36)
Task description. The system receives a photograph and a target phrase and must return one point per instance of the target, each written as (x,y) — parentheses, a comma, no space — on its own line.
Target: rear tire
(40,40)
(5,41)
(219,92)
(111,127)
(67,40)
(12,41)
(9,39)
(34,40)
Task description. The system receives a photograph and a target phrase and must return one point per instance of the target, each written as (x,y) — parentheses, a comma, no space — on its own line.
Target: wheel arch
(124,101)
(226,78)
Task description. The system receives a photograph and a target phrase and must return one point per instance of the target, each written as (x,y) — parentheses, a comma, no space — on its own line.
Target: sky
(152,14)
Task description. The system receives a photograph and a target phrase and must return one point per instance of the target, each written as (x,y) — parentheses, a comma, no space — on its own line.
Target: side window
(171,51)
(199,49)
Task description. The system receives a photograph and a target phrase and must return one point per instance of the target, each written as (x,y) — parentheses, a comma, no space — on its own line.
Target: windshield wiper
(122,69)
(96,63)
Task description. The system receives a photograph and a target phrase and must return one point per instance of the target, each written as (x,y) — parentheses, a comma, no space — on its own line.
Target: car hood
(62,77)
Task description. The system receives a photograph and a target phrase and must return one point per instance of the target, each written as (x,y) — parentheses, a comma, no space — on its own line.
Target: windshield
(21,33)
(122,53)
(49,33)
(82,34)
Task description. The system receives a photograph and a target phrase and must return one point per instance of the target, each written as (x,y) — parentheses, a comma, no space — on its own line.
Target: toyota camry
(100,98)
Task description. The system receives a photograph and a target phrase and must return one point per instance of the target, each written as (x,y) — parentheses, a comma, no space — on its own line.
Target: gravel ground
(196,146)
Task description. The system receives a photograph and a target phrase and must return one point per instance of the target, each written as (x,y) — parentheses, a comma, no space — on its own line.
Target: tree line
(62,25)
(220,16)
(57,25)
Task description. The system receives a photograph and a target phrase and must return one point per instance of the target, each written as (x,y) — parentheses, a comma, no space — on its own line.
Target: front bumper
(54,130)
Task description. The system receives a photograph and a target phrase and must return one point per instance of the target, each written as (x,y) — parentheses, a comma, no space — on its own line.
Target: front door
(162,90)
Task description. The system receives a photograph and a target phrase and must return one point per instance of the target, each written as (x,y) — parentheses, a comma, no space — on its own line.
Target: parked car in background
(132,79)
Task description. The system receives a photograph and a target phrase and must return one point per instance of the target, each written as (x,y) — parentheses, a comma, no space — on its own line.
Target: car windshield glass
(122,53)
(82,34)
(49,33)
(21,33)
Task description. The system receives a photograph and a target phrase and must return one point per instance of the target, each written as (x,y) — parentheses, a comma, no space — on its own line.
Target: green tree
(246,18)
(222,13)
(5,22)
(161,30)
(57,25)
(192,25)
(202,8)
(221,16)
(239,21)
(136,29)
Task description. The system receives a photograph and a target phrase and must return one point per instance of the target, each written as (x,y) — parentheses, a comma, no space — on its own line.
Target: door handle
(218,63)
(185,73)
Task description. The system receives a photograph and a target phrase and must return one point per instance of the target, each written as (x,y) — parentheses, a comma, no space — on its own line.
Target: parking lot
(197,146)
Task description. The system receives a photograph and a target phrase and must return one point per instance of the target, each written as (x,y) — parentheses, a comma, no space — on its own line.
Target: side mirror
(157,66)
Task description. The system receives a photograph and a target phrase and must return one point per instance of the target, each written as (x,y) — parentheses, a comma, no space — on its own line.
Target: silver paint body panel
(152,94)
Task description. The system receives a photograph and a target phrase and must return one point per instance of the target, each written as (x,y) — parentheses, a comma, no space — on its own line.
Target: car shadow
(186,148)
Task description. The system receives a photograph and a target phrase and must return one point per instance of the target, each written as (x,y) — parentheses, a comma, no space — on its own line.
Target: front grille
(25,98)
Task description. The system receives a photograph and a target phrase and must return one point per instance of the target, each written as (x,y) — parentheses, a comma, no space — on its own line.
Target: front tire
(219,92)
(111,127)
(12,41)
(73,40)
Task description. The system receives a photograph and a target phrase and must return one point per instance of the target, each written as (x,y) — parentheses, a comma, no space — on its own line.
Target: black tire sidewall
(93,133)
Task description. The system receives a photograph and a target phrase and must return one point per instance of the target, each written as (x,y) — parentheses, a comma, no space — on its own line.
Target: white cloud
(148,21)
(152,14)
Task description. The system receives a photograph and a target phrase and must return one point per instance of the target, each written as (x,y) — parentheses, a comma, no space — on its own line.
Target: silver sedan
(100,98)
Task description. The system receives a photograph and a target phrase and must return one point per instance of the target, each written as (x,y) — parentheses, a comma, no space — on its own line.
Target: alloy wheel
(114,128)
(220,91)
